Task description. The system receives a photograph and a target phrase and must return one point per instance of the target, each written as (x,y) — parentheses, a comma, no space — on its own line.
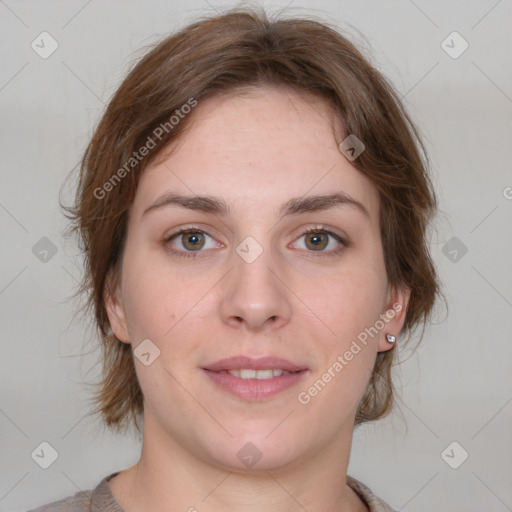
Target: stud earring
(391,338)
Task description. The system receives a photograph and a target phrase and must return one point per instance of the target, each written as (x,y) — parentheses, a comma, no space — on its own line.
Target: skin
(256,151)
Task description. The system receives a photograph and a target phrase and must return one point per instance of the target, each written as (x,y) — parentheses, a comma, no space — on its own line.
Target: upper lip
(263,363)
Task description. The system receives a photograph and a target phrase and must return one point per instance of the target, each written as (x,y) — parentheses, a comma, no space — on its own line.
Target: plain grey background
(456,388)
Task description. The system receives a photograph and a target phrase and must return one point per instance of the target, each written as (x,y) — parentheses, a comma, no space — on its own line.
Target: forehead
(256,149)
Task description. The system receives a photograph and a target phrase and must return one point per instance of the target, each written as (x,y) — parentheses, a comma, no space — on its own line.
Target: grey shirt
(101,499)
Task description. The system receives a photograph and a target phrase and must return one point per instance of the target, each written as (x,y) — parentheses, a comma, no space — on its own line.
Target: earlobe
(394,318)
(115,309)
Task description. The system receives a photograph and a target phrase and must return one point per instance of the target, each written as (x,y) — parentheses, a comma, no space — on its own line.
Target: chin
(257,452)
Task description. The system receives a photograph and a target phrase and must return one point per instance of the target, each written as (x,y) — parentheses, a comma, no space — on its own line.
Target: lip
(254,389)
(263,363)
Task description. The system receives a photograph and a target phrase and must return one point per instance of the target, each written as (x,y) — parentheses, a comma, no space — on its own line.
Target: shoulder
(80,502)
(99,499)
(374,503)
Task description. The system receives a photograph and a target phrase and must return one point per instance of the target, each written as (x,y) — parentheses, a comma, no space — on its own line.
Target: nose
(255,295)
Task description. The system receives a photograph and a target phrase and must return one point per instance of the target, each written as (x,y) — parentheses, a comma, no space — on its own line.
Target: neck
(169,477)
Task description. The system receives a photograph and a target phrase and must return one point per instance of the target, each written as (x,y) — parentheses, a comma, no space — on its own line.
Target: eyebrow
(295,206)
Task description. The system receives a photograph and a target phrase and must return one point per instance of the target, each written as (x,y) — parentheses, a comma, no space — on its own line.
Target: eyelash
(313,229)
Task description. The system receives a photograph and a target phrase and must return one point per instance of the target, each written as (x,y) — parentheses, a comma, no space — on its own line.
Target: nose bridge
(255,295)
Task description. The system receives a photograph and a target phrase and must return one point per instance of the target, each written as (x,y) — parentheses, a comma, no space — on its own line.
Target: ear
(393,315)
(115,308)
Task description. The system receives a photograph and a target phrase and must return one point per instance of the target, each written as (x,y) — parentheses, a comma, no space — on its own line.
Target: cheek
(153,302)
(350,301)
(353,303)
(163,304)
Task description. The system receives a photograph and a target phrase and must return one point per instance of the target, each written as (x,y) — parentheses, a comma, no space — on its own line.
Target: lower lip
(254,389)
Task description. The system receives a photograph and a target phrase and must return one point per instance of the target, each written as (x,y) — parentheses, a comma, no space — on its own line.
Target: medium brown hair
(222,55)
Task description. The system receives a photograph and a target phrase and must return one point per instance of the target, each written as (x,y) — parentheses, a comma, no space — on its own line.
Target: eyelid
(187,228)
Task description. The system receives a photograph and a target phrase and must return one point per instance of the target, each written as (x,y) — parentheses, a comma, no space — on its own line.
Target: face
(261,270)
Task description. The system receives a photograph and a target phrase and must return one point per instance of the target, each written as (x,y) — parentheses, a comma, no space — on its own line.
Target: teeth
(257,374)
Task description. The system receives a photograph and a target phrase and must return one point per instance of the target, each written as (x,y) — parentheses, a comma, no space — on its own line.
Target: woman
(253,208)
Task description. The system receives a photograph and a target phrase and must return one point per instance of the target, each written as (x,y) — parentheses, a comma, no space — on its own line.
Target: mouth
(255,379)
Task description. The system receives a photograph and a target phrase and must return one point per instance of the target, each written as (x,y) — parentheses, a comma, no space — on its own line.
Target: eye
(188,241)
(323,241)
